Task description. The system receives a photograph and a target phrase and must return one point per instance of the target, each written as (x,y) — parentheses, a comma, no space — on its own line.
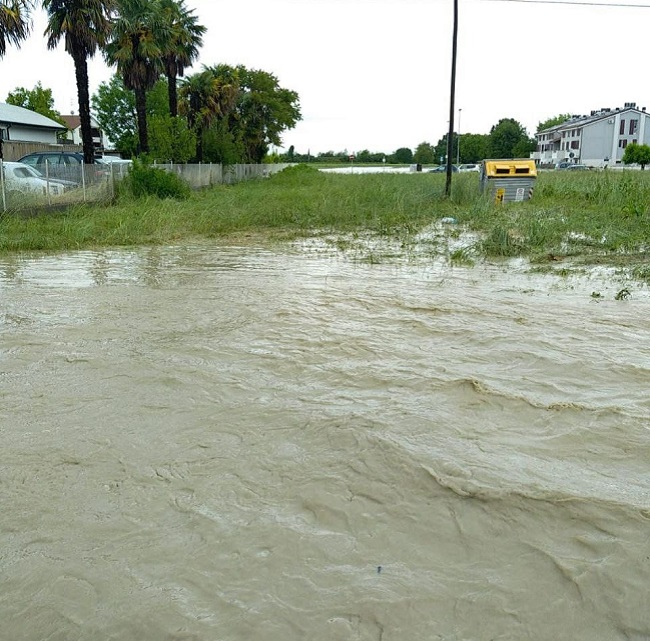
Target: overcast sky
(375,74)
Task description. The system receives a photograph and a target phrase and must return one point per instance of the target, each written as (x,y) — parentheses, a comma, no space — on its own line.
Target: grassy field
(576,218)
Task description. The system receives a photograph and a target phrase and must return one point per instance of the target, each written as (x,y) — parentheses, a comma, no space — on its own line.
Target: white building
(22,125)
(596,140)
(74,132)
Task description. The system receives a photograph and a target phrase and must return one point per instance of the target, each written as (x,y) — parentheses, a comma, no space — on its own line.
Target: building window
(633,125)
(621,131)
(578,132)
(574,144)
(622,143)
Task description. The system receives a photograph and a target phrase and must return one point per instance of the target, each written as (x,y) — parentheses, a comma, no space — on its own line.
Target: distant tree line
(507,139)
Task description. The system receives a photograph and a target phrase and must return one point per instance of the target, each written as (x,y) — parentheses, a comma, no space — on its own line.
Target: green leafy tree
(182,47)
(552,122)
(333,156)
(136,47)
(170,139)
(220,144)
(366,156)
(206,98)
(440,150)
(524,147)
(114,108)
(637,154)
(83,25)
(473,148)
(244,110)
(508,139)
(37,99)
(425,154)
(263,111)
(14,22)
(403,155)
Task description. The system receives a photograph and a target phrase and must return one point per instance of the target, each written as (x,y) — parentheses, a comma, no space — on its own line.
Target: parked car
(21,178)
(116,165)
(571,165)
(469,167)
(114,160)
(442,169)
(65,164)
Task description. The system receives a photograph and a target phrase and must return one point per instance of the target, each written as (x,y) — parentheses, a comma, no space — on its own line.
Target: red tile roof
(72,122)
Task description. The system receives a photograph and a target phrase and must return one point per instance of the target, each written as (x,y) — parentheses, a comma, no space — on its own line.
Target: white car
(469,167)
(21,178)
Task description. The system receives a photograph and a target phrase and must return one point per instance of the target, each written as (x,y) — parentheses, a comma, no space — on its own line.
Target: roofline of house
(587,120)
(17,122)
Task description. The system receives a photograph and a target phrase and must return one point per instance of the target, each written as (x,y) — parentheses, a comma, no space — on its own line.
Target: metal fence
(45,185)
(206,175)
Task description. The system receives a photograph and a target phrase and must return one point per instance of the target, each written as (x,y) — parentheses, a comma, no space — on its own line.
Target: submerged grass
(591,217)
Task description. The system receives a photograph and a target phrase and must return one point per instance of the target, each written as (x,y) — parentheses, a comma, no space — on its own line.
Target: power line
(572,2)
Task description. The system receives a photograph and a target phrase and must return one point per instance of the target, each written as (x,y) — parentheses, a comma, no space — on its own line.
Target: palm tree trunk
(172,92)
(141,112)
(81,74)
(199,144)
(173,96)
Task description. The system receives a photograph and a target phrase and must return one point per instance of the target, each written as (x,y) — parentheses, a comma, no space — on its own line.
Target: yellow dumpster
(508,180)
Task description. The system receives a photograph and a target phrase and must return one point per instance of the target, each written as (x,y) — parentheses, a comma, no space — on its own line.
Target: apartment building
(597,140)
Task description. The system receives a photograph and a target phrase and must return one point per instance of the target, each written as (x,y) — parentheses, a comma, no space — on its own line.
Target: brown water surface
(234,443)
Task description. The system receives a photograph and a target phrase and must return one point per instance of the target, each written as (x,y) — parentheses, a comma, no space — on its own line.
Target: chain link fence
(46,185)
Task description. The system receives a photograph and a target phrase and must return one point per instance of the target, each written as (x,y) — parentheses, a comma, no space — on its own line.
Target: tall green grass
(597,216)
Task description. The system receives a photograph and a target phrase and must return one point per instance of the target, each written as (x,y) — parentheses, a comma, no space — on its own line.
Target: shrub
(145,180)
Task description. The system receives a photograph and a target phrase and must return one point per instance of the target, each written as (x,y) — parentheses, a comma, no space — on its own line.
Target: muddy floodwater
(211,443)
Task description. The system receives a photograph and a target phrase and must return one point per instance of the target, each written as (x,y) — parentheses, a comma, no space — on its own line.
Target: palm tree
(136,48)
(182,48)
(206,97)
(14,22)
(84,24)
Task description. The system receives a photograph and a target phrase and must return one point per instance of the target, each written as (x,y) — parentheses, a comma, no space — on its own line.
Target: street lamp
(458,145)
(452,96)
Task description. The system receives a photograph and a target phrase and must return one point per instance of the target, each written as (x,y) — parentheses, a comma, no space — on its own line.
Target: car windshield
(25,171)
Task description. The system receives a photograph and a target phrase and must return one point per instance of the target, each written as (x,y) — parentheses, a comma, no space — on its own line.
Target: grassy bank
(589,217)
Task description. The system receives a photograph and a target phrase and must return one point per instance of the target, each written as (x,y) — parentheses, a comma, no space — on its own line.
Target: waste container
(508,180)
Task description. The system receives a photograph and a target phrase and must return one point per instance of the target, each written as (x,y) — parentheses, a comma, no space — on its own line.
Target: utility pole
(452,96)
(458,141)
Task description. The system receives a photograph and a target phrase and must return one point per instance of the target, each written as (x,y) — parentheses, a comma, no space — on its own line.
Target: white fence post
(47,181)
(2,186)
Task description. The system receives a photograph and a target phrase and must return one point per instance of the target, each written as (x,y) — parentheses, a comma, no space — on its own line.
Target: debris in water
(623,294)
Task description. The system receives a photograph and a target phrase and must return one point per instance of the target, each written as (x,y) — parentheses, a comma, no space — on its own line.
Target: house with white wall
(22,125)
(73,123)
(596,140)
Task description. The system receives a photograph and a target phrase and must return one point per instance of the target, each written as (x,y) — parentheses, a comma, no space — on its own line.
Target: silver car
(23,179)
